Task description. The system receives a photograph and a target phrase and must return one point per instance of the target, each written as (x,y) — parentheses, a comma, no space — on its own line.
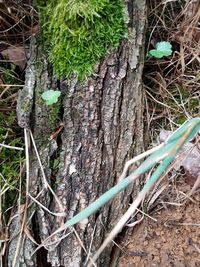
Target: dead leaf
(188,158)
(15,55)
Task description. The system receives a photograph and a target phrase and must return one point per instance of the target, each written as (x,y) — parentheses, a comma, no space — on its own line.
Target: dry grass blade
(43,207)
(11,147)
(137,158)
(46,185)
(24,216)
(82,245)
(119,225)
(195,186)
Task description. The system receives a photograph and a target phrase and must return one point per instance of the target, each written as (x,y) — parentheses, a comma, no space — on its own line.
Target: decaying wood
(103,128)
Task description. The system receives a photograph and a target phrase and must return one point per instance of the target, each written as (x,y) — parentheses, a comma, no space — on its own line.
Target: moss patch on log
(80,32)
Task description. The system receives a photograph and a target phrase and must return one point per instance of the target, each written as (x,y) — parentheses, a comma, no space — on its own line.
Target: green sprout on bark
(51,97)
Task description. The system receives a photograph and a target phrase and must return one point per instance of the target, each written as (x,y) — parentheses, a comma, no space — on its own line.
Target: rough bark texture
(103,128)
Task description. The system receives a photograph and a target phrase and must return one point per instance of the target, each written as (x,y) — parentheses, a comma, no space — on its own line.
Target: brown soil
(172,241)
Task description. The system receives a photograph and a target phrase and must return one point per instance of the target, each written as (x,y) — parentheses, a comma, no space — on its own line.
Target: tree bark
(103,128)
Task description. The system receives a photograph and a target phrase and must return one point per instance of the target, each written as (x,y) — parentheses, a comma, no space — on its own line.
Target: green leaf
(51,96)
(163,49)
(156,53)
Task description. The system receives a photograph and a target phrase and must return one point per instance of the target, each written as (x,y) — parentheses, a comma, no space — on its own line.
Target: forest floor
(171,241)
(171,237)
(170,234)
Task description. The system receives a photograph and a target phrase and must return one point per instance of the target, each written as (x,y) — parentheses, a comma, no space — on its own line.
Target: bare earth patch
(172,241)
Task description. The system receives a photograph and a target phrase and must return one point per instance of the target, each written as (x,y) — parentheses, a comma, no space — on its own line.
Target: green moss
(10,162)
(182,101)
(7,74)
(80,32)
(53,115)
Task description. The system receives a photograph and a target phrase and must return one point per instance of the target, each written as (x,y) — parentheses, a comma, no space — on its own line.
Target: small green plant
(163,49)
(11,160)
(51,97)
(80,32)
